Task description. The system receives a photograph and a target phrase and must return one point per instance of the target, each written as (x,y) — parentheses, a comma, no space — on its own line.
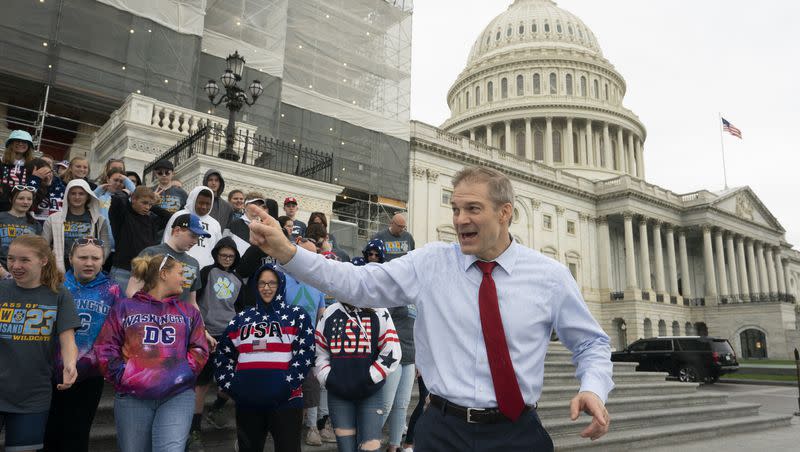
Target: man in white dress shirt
(486,308)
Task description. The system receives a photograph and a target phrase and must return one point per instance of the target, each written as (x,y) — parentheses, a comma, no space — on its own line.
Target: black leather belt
(473,415)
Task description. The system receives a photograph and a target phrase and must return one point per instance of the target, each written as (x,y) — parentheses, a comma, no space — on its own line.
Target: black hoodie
(220,291)
(221,211)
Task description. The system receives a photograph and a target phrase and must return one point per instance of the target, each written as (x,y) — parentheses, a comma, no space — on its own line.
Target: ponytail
(146,269)
(51,277)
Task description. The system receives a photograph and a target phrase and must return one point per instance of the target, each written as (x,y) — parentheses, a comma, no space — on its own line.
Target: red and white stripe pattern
(268,352)
(731,129)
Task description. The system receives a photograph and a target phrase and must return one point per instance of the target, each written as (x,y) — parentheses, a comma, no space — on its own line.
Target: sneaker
(216,418)
(313,438)
(327,434)
(195,443)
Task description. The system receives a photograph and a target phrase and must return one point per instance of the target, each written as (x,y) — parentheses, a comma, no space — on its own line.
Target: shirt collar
(506,260)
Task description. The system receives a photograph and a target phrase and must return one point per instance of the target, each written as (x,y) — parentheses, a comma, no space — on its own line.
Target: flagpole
(722,144)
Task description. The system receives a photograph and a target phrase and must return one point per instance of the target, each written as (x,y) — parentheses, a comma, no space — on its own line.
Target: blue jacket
(93,302)
(266,351)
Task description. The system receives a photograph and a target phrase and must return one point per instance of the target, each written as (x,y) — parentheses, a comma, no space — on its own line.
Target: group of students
(184,301)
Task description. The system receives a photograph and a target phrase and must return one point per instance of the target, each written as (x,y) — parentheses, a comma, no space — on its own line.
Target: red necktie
(506,387)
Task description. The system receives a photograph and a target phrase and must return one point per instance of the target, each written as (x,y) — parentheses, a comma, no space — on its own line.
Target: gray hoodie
(221,210)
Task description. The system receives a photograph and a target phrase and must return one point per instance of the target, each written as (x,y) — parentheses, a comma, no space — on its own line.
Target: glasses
(83,241)
(271,284)
(164,261)
(24,188)
(374,254)
(226,256)
(163,173)
(399,226)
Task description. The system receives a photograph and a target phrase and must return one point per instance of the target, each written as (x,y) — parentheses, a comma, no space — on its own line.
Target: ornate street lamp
(234,97)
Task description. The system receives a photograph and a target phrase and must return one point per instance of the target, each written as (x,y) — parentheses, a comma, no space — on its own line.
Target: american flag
(731,129)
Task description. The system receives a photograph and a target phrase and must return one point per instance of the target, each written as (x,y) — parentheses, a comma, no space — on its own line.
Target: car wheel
(687,374)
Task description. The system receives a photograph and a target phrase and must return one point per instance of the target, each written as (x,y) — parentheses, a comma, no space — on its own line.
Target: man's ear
(506,213)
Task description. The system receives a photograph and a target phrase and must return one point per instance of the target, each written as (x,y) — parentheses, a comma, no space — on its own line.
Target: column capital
(536,204)
(569,119)
(720,232)
(643,220)
(707,228)
(602,219)
(670,228)
(528,120)
(628,215)
(560,210)
(657,222)
(583,216)
(548,118)
(507,122)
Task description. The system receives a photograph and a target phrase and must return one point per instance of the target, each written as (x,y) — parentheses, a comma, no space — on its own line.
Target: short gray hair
(500,189)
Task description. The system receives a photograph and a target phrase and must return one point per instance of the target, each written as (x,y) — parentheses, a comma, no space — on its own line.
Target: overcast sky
(684,61)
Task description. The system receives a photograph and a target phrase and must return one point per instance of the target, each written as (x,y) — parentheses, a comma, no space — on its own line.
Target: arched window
(489,92)
(557,147)
(521,29)
(571,31)
(497,36)
(648,328)
(546,27)
(580,32)
(688,329)
(583,86)
(575,151)
(676,328)
(504,88)
(508,31)
(553,83)
(534,28)
(606,91)
(467,96)
(569,84)
(488,39)
(596,89)
(521,144)
(520,85)
(537,84)
(662,328)
(558,28)
(477,96)
(538,146)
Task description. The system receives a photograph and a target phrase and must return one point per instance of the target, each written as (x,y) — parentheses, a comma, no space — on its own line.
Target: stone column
(684,257)
(639,159)
(743,282)
(708,259)
(786,274)
(732,265)
(548,141)
(589,144)
(604,253)
(620,151)
(773,279)
(607,146)
(569,148)
(489,141)
(631,158)
(630,254)
(644,251)
(673,268)
(722,272)
(528,142)
(508,137)
(472,134)
(752,270)
(763,279)
(779,268)
(658,255)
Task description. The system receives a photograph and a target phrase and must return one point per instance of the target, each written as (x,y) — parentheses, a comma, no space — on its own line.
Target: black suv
(690,358)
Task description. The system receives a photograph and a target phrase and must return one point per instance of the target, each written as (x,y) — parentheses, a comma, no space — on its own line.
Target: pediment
(743,203)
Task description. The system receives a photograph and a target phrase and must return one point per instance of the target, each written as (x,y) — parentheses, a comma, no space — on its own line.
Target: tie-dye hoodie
(152,349)
(93,301)
(266,352)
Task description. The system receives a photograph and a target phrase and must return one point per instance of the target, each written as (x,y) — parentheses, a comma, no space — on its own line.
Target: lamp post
(234,97)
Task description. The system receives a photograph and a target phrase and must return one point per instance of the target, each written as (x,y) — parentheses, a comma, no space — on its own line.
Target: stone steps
(568,378)
(560,408)
(565,393)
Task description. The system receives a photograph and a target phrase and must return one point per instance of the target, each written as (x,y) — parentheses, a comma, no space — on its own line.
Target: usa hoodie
(93,301)
(152,349)
(201,251)
(356,349)
(266,352)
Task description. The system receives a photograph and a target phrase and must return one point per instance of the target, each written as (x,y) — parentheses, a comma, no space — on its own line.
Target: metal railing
(252,150)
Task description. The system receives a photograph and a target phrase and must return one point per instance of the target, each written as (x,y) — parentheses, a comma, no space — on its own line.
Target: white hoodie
(201,251)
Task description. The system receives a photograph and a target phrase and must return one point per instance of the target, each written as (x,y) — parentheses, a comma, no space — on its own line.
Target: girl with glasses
(15,168)
(35,310)
(152,347)
(72,411)
(261,362)
(17,222)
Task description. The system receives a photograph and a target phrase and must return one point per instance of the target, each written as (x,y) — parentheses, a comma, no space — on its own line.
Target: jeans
(71,414)
(412,423)
(365,416)
(121,276)
(153,425)
(284,424)
(396,395)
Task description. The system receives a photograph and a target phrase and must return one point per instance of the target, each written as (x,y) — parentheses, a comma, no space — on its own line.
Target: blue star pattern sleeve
(303,350)
(226,356)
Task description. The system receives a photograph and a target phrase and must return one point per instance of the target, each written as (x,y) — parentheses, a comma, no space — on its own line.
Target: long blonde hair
(51,277)
(8,155)
(68,176)
(148,269)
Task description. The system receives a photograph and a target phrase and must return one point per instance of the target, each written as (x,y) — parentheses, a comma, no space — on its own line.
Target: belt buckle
(470,412)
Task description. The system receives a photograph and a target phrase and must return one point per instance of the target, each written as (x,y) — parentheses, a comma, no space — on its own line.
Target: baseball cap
(251,201)
(289,200)
(164,164)
(63,163)
(191,222)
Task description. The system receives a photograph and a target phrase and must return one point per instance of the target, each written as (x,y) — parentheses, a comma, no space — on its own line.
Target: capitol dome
(536,74)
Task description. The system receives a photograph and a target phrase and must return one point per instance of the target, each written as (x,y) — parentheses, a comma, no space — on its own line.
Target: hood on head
(377,245)
(226,242)
(221,181)
(280,293)
(192,199)
(92,203)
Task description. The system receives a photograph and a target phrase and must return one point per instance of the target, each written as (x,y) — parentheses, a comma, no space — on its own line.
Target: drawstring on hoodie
(358,321)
